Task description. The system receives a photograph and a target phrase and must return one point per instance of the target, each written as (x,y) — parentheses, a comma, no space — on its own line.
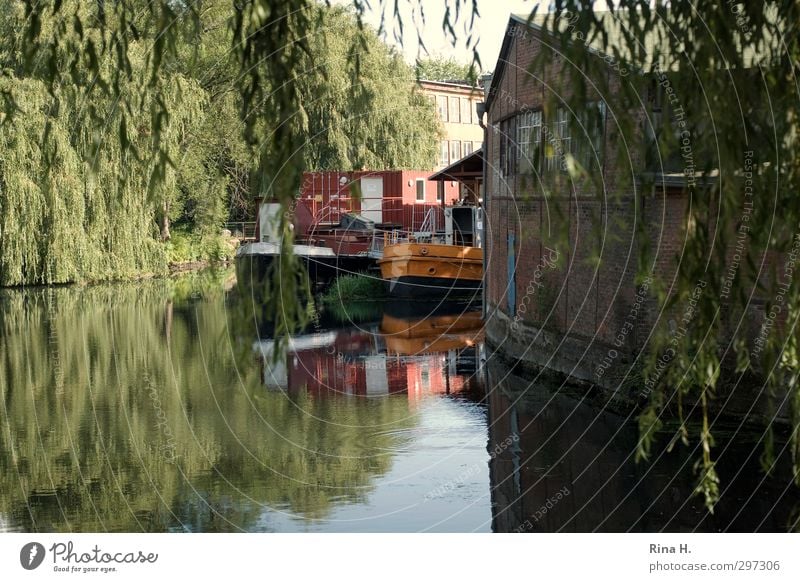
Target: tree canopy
(443,69)
(122,122)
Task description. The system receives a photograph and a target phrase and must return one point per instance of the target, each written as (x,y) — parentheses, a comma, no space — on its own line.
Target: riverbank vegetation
(113,165)
(357,287)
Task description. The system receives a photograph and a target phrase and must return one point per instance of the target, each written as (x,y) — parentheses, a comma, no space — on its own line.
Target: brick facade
(570,315)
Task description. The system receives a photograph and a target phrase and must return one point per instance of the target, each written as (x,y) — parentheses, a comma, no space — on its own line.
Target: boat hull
(420,270)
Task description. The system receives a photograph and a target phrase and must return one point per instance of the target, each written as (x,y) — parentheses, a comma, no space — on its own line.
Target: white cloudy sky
(490,27)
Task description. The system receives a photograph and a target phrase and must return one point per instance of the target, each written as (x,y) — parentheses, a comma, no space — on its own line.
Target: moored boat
(421,269)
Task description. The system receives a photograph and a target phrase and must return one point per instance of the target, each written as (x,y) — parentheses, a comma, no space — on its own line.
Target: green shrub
(354,287)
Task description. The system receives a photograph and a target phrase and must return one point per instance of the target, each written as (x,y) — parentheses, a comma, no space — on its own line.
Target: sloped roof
(652,46)
(470,165)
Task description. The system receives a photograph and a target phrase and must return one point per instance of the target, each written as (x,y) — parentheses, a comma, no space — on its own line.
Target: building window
(467,147)
(507,138)
(441,107)
(420,190)
(466,110)
(439,191)
(529,140)
(454,111)
(559,142)
(593,119)
(444,153)
(455,151)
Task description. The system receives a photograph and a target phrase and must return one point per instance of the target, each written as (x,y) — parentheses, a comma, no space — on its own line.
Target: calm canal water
(164,406)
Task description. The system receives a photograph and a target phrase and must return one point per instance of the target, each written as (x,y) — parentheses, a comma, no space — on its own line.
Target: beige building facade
(456,106)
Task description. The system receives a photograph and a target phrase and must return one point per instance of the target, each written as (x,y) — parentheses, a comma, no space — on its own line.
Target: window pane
(441,102)
(455,150)
(454,112)
(467,147)
(420,190)
(444,153)
(466,110)
(439,191)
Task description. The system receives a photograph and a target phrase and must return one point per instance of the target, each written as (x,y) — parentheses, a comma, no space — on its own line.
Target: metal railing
(242,230)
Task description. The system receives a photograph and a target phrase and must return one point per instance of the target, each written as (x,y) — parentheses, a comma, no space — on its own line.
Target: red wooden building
(401,198)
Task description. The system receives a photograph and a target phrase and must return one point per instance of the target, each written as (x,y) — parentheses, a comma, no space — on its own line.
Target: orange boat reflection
(432,334)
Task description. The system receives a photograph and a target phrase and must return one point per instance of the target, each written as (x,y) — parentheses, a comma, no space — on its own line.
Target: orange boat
(415,269)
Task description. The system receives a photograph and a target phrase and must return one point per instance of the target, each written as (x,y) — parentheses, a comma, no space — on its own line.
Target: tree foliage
(124,120)
(444,69)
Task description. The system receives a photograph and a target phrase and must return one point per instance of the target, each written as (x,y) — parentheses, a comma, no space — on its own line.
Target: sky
(489,27)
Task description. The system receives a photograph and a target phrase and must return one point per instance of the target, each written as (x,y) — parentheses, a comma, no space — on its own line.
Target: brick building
(561,270)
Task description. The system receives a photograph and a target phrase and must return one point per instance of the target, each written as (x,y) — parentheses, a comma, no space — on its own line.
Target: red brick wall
(593,288)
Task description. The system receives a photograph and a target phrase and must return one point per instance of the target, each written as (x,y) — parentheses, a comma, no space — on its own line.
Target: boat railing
(381,238)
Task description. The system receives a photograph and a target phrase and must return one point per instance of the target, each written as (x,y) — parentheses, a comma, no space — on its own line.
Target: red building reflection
(434,355)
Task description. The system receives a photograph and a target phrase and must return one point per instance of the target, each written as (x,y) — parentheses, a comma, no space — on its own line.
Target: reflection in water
(143,407)
(570,467)
(165,406)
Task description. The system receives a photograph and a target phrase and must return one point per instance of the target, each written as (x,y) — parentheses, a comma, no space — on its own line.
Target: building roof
(470,166)
(652,45)
(456,86)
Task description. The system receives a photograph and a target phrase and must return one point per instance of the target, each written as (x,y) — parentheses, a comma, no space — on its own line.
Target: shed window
(420,190)
(559,141)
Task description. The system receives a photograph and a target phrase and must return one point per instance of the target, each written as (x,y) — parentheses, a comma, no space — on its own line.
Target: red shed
(402,198)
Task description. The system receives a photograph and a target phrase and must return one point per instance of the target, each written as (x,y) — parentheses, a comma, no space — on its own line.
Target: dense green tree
(121,130)
(444,69)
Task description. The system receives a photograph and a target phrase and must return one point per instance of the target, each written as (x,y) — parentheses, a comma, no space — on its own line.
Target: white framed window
(455,151)
(529,140)
(466,148)
(454,110)
(439,191)
(420,190)
(444,153)
(441,107)
(466,110)
(559,141)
